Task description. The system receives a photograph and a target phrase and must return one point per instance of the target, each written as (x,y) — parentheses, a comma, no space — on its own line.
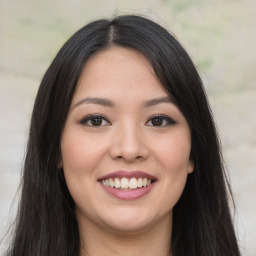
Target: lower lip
(128,194)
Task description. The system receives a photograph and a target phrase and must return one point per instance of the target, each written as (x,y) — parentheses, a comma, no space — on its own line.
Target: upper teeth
(125,183)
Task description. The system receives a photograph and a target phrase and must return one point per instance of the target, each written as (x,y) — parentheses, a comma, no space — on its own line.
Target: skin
(127,139)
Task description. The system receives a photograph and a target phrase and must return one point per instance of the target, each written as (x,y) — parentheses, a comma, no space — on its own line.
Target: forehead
(117,58)
(118,72)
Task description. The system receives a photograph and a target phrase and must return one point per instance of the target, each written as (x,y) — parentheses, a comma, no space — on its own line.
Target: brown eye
(161,121)
(157,121)
(94,120)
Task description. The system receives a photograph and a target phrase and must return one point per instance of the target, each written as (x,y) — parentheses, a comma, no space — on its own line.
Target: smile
(127,185)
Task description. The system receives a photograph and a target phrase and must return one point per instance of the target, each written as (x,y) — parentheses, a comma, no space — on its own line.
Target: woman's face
(125,145)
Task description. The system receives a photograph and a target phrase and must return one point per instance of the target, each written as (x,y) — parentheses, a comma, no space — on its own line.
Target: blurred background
(218,34)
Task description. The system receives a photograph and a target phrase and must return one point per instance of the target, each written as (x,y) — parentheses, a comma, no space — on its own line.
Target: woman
(123,156)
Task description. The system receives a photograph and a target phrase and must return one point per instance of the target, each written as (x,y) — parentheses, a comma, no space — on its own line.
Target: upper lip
(129,175)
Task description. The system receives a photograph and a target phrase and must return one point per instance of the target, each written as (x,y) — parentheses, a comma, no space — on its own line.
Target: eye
(95,120)
(160,120)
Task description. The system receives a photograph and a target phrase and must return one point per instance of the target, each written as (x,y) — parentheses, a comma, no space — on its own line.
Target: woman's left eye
(161,120)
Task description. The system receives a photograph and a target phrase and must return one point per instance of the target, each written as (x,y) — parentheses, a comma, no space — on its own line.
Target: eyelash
(88,118)
(168,120)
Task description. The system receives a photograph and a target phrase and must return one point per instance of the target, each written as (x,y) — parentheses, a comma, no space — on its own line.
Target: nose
(129,144)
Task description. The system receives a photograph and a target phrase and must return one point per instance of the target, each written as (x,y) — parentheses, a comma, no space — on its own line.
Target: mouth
(127,185)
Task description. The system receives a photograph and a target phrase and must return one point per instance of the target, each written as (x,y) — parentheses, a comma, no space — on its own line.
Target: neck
(152,241)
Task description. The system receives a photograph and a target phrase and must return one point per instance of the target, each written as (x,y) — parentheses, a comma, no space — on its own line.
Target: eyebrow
(156,101)
(108,103)
(95,100)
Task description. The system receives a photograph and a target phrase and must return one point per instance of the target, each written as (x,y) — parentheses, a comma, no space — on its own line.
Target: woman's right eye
(95,120)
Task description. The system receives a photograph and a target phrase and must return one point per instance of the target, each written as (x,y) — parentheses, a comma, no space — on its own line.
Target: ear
(59,163)
(190,167)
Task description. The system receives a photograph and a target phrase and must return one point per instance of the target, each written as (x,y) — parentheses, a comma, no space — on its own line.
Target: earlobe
(59,163)
(190,168)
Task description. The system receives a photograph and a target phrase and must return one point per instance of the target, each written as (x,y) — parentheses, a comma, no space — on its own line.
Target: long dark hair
(46,222)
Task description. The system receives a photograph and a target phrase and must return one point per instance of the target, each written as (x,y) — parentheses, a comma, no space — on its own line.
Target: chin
(129,226)
(130,221)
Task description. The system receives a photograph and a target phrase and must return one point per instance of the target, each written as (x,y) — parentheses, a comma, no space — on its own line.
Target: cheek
(173,156)
(80,154)
(174,153)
